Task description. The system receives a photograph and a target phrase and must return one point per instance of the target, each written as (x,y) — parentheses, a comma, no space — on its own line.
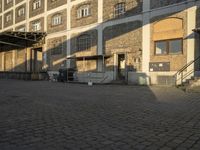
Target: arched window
(83,11)
(84,42)
(119,9)
(56,20)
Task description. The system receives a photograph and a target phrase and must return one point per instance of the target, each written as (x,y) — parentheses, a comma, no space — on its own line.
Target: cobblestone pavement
(56,116)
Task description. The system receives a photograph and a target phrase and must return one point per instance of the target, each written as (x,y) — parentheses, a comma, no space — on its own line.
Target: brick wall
(128,37)
(18,1)
(42,24)
(1,6)
(54,4)
(133,7)
(7,24)
(88,65)
(162,3)
(61,27)
(55,61)
(7,6)
(35,12)
(20,18)
(0,22)
(176,61)
(77,22)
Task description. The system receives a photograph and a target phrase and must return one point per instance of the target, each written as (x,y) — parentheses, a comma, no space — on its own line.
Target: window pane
(161,47)
(175,46)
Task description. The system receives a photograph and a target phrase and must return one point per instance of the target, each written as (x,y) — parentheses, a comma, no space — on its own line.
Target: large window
(56,19)
(84,42)
(83,11)
(36,4)
(174,46)
(119,9)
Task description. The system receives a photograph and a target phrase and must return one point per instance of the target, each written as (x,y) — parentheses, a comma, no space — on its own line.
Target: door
(121,67)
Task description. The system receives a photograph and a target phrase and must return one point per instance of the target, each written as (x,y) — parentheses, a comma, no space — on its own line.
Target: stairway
(191,85)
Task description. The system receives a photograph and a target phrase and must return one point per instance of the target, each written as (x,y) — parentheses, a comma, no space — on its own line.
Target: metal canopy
(10,40)
(93,57)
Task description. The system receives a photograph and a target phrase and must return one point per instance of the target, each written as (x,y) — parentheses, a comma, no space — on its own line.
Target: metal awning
(10,40)
(92,57)
(197,30)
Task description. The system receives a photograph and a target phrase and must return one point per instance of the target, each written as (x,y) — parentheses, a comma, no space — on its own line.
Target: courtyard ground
(41,115)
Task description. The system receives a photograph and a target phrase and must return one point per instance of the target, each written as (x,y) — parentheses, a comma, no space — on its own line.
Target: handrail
(185,67)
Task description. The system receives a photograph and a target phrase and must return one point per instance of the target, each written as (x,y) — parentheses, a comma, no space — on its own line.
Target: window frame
(56,48)
(116,8)
(88,42)
(81,11)
(8,16)
(56,19)
(34,25)
(36,4)
(19,14)
(168,47)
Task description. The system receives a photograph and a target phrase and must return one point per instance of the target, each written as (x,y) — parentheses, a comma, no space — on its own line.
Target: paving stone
(43,115)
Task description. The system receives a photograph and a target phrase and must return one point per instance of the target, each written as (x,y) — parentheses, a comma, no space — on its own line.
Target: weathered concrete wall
(56,28)
(20,18)
(176,61)
(162,3)
(53,4)
(56,61)
(124,38)
(35,12)
(133,7)
(7,24)
(92,18)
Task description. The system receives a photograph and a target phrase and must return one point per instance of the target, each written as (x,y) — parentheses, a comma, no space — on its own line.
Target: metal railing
(181,71)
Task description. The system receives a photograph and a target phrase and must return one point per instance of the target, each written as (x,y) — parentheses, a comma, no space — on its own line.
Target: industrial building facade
(136,41)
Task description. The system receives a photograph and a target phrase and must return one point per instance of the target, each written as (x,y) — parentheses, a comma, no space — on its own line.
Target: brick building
(137,41)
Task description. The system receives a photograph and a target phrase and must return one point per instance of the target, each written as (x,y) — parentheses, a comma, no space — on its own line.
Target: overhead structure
(93,57)
(11,40)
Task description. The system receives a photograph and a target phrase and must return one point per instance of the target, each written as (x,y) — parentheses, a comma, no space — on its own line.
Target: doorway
(121,69)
